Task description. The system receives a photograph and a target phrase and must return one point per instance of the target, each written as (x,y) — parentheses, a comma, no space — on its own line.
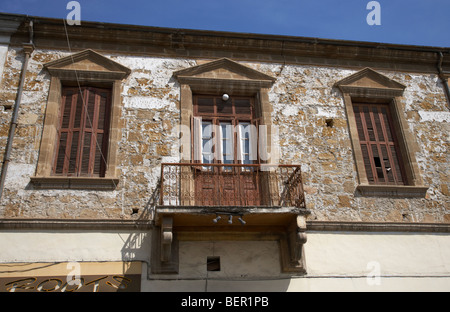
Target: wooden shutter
(379,147)
(255,140)
(83,132)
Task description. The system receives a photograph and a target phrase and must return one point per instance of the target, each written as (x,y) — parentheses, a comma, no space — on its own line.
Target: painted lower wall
(336,261)
(48,246)
(306,284)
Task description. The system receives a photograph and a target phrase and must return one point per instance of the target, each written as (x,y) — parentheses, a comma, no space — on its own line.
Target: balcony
(231,185)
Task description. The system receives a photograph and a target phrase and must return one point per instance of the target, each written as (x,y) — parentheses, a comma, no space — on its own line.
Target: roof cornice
(170,42)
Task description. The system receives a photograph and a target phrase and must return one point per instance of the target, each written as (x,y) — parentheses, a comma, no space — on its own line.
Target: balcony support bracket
(166,238)
(291,244)
(164,255)
(297,237)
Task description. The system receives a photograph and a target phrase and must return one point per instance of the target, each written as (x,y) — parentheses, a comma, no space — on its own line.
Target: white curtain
(253,142)
(219,138)
(198,139)
(239,145)
(247,129)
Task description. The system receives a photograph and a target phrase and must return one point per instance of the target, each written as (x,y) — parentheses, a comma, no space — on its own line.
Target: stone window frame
(87,68)
(369,86)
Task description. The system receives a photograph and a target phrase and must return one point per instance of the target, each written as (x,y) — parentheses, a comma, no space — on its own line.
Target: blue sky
(412,22)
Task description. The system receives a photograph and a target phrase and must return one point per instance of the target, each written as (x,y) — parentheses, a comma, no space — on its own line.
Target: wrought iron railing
(231,185)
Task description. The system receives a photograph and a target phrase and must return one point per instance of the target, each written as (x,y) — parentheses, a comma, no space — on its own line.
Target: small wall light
(225,97)
(230,217)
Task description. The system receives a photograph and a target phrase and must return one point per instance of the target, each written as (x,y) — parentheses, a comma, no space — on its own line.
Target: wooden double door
(238,187)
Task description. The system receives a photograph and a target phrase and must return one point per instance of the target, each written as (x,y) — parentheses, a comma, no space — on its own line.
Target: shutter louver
(98,160)
(398,171)
(367,163)
(86,154)
(60,160)
(73,153)
(359,124)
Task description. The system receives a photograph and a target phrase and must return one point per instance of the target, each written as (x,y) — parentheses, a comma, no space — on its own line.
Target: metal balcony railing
(231,185)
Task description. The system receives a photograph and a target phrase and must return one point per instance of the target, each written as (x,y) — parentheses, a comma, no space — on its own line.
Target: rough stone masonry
(308,110)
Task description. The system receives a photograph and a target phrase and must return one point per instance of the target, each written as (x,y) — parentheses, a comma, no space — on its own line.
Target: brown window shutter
(83,132)
(367,163)
(60,159)
(379,148)
(68,136)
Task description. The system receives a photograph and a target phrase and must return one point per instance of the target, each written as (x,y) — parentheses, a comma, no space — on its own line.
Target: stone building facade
(343,231)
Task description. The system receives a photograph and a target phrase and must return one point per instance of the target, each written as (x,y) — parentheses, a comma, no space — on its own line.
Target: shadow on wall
(137,246)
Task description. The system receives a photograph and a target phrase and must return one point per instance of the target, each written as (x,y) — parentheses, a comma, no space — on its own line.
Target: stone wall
(307,109)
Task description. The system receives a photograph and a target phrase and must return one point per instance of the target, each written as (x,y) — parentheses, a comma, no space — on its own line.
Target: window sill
(74,183)
(393,190)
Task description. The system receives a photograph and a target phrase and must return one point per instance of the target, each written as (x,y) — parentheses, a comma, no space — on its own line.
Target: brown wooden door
(216,187)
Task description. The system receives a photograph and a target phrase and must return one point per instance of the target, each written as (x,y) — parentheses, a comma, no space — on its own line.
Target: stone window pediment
(368,83)
(224,75)
(87,65)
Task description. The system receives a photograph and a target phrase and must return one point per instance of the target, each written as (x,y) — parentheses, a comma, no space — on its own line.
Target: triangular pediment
(224,69)
(87,63)
(221,73)
(370,79)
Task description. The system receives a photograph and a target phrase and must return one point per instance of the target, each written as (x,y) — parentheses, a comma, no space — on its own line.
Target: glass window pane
(205,105)
(242,106)
(206,146)
(206,129)
(246,145)
(207,159)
